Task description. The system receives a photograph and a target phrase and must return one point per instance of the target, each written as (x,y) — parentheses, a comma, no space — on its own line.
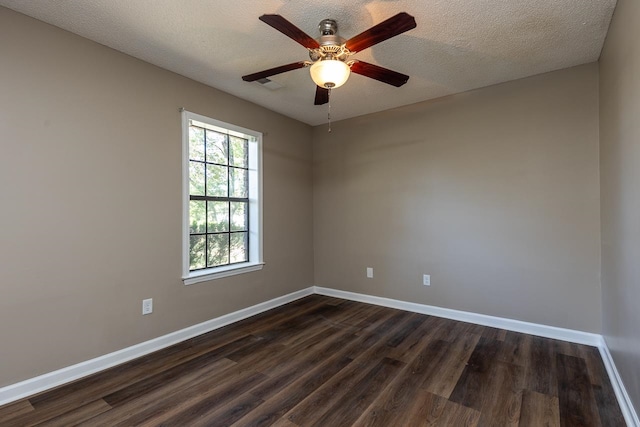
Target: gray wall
(620,184)
(494,192)
(90,221)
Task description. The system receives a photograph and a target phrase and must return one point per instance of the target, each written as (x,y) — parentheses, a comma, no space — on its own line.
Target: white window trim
(255,204)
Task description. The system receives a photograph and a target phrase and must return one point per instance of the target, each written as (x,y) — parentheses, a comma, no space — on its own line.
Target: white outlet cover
(370,272)
(426,280)
(147,306)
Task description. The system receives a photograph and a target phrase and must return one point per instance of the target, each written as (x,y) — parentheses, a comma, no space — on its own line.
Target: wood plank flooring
(322,361)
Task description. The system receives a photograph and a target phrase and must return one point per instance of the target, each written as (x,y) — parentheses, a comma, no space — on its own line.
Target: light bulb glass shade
(329,73)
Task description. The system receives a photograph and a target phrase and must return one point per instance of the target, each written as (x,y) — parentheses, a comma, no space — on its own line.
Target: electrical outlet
(370,272)
(426,280)
(147,306)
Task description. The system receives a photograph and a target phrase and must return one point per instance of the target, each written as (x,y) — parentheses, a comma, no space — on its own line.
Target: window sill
(220,272)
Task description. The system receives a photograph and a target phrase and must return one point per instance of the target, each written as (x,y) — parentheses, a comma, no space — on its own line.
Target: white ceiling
(458,45)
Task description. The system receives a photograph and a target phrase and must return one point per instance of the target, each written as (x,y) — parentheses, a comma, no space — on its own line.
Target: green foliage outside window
(219,199)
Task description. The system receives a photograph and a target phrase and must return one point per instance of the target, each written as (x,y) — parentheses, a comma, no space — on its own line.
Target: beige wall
(620,183)
(90,221)
(494,192)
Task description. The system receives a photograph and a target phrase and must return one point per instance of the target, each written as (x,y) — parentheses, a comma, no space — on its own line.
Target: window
(222,211)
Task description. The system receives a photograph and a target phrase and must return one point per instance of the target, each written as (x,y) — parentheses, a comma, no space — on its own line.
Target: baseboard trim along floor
(49,380)
(53,379)
(578,337)
(570,335)
(626,406)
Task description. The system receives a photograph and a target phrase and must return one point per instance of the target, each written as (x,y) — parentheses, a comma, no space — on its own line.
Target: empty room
(369,213)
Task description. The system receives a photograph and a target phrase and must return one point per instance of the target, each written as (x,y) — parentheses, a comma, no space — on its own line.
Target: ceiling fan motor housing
(331,44)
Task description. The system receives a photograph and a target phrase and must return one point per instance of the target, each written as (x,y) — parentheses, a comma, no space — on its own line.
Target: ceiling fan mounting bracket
(328,27)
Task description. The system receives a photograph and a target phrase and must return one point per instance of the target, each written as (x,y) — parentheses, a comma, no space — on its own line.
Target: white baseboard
(579,337)
(630,415)
(49,380)
(570,335)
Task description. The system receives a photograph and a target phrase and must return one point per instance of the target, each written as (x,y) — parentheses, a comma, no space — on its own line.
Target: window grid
(205,198)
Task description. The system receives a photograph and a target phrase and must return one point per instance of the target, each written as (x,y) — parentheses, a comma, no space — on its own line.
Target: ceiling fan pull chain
(329,112)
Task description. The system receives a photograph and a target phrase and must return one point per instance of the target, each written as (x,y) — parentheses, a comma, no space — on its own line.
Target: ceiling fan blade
(393,26)
(290,30)
(273,71)
(384,75)
(322,96)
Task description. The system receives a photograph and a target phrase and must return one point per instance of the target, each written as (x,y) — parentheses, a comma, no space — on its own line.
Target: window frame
(255,201)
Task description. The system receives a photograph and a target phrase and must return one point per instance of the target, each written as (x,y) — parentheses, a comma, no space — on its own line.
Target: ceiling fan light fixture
(329,73)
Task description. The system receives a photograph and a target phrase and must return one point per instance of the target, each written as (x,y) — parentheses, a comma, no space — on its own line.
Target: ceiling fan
(329,55)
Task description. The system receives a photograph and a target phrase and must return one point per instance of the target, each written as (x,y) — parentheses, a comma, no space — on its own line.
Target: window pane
(239,149)
(196,252)
(196,179)
(217,217)
(218,250)
(217,180)
(238,184)
(217,147)
(197,216)
(238,216)
(239,245)
(196,143)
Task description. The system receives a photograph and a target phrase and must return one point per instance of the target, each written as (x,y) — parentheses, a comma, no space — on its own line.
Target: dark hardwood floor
(322,361)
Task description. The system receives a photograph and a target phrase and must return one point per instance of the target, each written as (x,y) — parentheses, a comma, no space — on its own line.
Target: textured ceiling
(458,45)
